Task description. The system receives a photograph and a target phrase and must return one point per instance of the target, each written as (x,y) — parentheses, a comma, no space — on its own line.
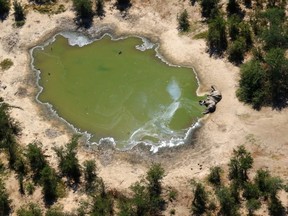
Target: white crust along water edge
(80,39)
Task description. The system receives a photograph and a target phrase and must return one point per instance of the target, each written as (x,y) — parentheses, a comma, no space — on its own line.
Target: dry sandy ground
(233,124)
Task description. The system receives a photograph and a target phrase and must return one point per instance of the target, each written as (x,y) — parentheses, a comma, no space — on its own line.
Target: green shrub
(183,22)
(214,176)
(6,63)
(236,51)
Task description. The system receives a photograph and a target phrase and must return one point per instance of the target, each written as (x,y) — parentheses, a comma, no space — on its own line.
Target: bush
(214,176)
(100,8)
(183,22)
(239,165)
(36,160)
(31,209)
(6,63)
(18,11)
(236,51)
(4,9)
(67,161)
(209,8)
(216,40)
(199,203)
(90,175)
(5,202)
(49,184)
(84,12)
(227,202)
(252,84)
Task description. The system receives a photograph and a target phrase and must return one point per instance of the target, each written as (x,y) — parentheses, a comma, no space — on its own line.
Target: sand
(263,132)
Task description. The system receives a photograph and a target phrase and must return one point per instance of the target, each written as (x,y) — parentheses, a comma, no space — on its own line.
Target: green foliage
(199,203)
(217,41)
(55,211)
(236,51)
(201,35)
(4,9)
(183,22)
(90,175)
(31,209)
(5,202)
(277,75)
(67,161)
(268,185)
(233,7)
(49,183)
(209,8)
(18,12)
(30,188)
(214,176)
(154,176)
(6,63)
(172,195)
(251,191)
(84,12)
(100,8)
(146,199)
(252,205)
(234,26)
(239,165)
(227,202)
(102,205)
(36,160)
(275,33)
(252,84)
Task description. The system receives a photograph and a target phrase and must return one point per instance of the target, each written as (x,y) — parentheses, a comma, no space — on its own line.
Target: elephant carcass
(212,99)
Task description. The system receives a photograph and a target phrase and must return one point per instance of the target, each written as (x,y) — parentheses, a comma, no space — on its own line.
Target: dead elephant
(212,99)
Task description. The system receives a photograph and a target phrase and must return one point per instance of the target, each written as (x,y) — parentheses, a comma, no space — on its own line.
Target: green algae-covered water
(113,90)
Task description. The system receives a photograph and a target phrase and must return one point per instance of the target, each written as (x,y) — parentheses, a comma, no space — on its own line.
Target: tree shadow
(123,5)
(84,22)
(4,16)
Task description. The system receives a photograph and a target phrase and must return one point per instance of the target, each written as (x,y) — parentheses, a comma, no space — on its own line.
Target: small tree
(68,162)
(216,40)
(36,159)
(18,12)
(100,8)
(199,203)
(239,164)
(209,8)
(214,176)
(90,174)
(236,51)
(252,205)
(154,176)
(49,183)
(84,12)
(228,204)
(183,22)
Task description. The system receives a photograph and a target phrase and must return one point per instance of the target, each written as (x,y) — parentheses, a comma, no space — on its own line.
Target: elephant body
(212,99)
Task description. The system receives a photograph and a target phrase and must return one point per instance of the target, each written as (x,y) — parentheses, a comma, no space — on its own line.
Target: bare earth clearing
(264,133)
